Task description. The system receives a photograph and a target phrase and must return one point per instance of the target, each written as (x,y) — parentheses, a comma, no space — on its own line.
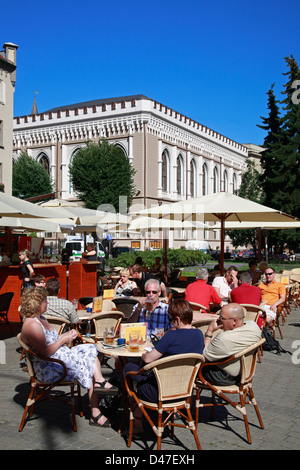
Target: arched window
(216,184)
(204,180)
(164,173)
(179,185)
(44,160)
(225,181)
(234,183)
(193,178)
(70,181)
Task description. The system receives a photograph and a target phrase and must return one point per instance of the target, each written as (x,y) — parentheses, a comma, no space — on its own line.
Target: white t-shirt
(225,289)
(230,342)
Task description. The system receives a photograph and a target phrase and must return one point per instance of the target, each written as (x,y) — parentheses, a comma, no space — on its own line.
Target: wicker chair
(198,307)
(253,312)
(202,324)
(101,321)
(125,305)
(243,389)
(59,323)
(175,377)
(41,391)
(5,301)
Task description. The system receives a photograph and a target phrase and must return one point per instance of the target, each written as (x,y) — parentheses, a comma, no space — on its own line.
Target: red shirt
(201,293)
(246,294)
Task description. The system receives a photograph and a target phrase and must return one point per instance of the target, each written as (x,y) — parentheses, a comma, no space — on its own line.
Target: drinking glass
(134,342)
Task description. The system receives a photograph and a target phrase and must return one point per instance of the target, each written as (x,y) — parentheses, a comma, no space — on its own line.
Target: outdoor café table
(122,351)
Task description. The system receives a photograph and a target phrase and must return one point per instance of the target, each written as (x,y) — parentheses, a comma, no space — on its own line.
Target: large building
(174,156)
(7,88)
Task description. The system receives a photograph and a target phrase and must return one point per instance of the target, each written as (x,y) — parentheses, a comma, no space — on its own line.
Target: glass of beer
(149,305)
(134,342)
(110,337)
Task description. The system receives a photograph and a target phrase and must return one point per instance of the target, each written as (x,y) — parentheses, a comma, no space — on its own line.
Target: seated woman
(81,361)
(124,286)
(180,339)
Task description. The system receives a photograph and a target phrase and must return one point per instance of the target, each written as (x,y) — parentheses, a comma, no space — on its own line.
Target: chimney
(11,52)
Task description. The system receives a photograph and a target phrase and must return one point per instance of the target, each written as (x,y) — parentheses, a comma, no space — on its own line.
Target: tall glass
(134,342)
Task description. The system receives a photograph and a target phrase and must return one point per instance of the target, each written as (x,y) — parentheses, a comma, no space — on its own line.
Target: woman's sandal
(113,390)
(94,421)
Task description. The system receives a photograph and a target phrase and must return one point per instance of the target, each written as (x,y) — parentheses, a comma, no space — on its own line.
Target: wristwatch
(207,336)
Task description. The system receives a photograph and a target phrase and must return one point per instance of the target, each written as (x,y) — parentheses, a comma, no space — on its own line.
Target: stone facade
(174,156)
(7,88)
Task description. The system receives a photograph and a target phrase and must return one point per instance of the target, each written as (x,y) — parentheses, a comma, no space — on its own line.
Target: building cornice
(124,111)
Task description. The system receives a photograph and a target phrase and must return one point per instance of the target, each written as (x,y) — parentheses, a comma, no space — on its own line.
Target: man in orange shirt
(273,294)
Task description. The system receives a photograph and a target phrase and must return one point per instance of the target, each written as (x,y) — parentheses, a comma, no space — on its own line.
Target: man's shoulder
(218,280)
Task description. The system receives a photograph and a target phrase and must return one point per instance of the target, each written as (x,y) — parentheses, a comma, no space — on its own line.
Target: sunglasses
(269,274)
(151,291)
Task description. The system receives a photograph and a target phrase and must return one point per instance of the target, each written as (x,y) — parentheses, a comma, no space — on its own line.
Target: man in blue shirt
(158,317)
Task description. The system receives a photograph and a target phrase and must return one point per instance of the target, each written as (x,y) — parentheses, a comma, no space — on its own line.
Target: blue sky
(213,61)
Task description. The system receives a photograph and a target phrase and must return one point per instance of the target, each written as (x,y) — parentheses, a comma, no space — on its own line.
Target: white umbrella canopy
(218,207)
(29,224)
(153,224)
(11,206)
(262,225)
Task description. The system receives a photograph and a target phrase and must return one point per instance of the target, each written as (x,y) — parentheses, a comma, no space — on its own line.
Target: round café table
(123,351)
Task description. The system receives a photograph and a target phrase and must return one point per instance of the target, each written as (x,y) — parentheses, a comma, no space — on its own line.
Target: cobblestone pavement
(276,387)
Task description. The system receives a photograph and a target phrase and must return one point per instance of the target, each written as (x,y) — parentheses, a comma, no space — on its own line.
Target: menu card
(127,328)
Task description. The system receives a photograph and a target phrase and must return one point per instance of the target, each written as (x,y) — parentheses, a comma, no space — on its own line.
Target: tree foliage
(100,173)
(29,177)
(281,161)
(251,189)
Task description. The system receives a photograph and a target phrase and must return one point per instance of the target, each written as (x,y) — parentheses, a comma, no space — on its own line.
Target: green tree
(269,164)
(100,173)
(251,189)
(280,160)
(29,177)
(287,195)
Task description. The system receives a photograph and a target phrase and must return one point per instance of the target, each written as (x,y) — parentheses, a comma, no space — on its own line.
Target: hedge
(177,258)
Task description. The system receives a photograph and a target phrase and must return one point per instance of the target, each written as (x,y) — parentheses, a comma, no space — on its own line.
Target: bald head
(233,311)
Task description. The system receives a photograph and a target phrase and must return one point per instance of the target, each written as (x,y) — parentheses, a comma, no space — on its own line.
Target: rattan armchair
(41,391)
(243,389)
(175,376)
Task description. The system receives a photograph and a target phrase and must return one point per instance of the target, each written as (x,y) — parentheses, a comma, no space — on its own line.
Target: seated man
(181,339)
(225,284)
(158,317)
(200,292)
(272,293)
(245,293)
(140,277)
(235,337)
(253,271)
(157,265)
(59,307)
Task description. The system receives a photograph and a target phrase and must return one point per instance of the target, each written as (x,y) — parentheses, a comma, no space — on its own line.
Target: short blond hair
(125,272)
(31,301)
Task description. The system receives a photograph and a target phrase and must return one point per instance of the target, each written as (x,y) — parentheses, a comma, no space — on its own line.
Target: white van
(76,248)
